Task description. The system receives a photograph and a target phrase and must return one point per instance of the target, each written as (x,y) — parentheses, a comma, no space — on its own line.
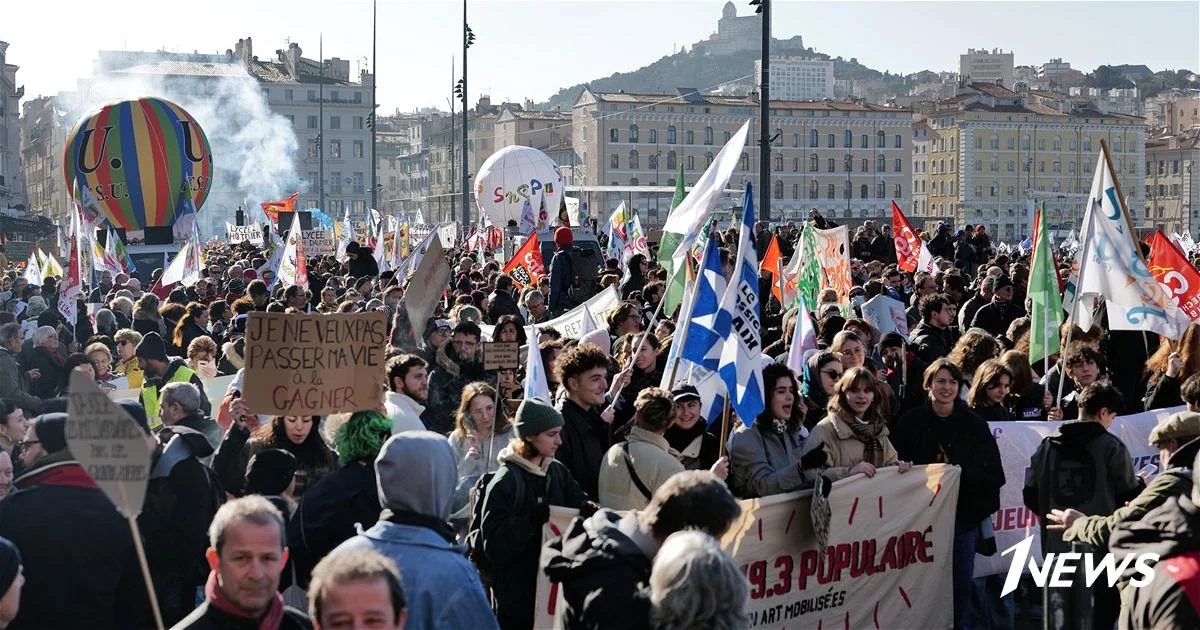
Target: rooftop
(174,67)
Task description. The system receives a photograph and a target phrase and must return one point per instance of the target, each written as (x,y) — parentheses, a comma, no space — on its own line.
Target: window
(978,143)
(1012,166)
(633,181)
(951,165)
(335,122)
(866,166)
(995,165)
(978,191)
(897,192)
(614,135)
(312,96)
(614,161)
(847,192)
(1041,166)
(778,194)
(848,164)
(831,165)
(313,183)
(633,133)
(708,135)
(356,122)
(1024,143)
(357,183)
(1087,143)
(335,149)
(1174,167)
(335,182)
(1041,144)
(633,159)
(994,189)
(287,94)
(848,139)
(1011,143)
(795,165)
(670,160)
(880,164)
(898,142)
(831,192)
(691,162)
(1071,167)
(1057,166)
(795,191)
(291,120)
(725,135)
(689,137)
(708,158)
(814,189)
(995,143)
(880,190)
(652,136)
(795,140)
(812,137)
(1116,144)
(813,163)
(862,141)
(652,161)
(779,161)
(978,166)
(862,191)
(941,165)
(312,149)
(942,187)
(356,149)
(312,122)
(880,140)
(951,143)
(744,163)
(671,134)
(1057,143)
(829,141)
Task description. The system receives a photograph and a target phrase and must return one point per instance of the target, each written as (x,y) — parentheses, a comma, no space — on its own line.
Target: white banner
(887,563)
(448,232)
(243,233)
(319,243)
(1017,442)
(833,253)
(570,324)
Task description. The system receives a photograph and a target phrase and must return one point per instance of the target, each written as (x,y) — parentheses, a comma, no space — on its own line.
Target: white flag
(291,270)
(589,321)
(1109,266)
(536,385)
(347,237)
(804,339)
(33,271)
(185,268)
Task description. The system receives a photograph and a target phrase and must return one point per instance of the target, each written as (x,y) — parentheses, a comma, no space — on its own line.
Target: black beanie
(10,563)
(152,347)
(270,472)
(51,431)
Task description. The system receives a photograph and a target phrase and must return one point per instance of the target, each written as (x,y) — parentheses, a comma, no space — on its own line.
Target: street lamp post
(763,7)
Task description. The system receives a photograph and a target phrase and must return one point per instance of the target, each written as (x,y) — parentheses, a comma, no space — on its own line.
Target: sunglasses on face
(834,374)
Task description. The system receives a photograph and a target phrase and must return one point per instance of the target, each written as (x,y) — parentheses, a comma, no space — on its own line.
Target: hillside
(703,71)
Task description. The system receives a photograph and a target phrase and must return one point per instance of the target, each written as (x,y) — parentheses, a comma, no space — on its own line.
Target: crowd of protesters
(427,511)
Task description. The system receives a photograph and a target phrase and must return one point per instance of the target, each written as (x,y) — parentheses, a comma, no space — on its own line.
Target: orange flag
(770,264)
(273,208)
(526,265)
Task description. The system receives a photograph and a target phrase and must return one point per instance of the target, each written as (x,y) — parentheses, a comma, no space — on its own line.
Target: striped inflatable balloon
(144,162)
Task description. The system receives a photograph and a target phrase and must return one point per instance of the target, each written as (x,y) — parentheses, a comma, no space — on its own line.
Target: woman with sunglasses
(822,371)
(127,364)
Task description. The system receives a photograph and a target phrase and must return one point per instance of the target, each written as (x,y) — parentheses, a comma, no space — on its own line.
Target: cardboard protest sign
(109,444)
(304,364)
(318,242)
(426,286)
(501,355)
(887,562)
(1017,441)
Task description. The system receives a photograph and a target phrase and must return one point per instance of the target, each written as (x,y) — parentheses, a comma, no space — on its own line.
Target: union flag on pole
(1177,276)
(526,265)
(911,252)
(273,208)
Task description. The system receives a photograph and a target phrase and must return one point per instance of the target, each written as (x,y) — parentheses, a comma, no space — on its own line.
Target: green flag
(808,280)
(666,250)
(1044,294)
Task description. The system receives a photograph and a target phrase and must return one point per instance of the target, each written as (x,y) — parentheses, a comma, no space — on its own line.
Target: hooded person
(271,474)
(416,473)
(76,547)
(362,262)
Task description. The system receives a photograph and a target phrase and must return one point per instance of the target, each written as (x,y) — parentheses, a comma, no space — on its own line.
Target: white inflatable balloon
(513,175)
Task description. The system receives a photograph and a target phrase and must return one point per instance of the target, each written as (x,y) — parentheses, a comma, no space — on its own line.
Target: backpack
(483,564)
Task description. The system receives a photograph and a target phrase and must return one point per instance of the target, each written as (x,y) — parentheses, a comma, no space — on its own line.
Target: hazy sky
(531,49)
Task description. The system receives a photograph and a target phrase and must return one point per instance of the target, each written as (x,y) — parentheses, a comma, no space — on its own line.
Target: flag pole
(724,428)
(779,281)
(1083,256)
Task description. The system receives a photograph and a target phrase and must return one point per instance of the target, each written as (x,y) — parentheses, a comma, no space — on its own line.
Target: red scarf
(270,620)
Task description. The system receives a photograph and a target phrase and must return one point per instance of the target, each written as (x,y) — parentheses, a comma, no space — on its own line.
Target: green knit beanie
(534,417)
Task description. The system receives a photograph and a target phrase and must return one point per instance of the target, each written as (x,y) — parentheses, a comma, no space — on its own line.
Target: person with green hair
(329,511)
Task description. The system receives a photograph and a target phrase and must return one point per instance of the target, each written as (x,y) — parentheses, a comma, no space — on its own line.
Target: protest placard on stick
(308,364)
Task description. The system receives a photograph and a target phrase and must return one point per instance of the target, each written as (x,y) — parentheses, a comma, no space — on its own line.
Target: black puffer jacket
(585,440)
(327,515)
(449,374)
(602,571)
(931,344)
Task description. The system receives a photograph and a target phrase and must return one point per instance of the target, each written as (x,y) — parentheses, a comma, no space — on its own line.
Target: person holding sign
(81,569)
(854,435)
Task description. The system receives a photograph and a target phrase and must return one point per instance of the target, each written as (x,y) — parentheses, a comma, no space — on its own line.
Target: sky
(531,49)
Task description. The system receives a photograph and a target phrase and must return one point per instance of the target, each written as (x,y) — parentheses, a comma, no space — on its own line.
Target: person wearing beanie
(59,507)
(996,316)
(11,581)
(513,516)
(362,262)
(562,273)
(416,473)
(272,474)
(158,369)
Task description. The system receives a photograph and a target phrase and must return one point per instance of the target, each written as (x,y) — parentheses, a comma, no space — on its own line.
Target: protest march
(736,423)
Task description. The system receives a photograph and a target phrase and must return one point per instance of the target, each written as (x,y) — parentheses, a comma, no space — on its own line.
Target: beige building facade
(986,66)
(991,155)
(1173,181)
(846,160)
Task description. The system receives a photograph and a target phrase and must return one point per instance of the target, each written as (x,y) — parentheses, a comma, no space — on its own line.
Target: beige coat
(844,450)
(653,460)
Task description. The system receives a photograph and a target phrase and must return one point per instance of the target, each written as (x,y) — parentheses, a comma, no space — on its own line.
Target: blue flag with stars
(738,324)
(703,344)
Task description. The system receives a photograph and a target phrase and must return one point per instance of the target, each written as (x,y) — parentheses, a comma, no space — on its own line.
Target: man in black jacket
(934,337)
(996,316)
(81,569)
(583,372)
(601,561)
(502,302)
(562,273)
(362,262)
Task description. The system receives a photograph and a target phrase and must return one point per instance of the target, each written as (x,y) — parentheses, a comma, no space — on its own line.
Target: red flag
(1170,267)
(273,208)
(770,264)
(526,265)
(911,252)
